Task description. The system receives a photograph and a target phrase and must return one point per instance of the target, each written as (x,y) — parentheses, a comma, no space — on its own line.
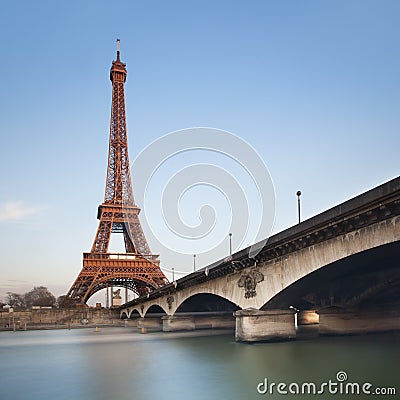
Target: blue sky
(312,85)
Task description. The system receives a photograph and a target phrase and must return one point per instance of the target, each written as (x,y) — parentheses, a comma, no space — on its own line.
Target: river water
(123,364)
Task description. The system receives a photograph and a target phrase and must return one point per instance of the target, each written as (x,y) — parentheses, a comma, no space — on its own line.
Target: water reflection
(120,363)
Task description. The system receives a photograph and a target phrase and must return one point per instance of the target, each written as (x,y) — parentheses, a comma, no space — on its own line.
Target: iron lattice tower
(136,269)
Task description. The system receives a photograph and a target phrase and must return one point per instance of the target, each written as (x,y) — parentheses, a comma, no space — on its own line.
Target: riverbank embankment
(58,318)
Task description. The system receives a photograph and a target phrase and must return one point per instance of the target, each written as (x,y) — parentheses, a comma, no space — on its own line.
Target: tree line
(39,296)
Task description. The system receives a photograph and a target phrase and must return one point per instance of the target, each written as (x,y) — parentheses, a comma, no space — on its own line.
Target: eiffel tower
(136,269)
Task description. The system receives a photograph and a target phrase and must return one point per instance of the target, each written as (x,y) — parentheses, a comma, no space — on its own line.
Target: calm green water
(120,363)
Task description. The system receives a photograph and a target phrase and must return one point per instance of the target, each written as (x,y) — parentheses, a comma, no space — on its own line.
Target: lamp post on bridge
(230,244)
(194,262)
(298,203)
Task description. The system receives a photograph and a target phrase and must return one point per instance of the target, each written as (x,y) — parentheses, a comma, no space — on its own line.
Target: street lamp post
(230,244)
(173,274)
(298,203)
(194,262)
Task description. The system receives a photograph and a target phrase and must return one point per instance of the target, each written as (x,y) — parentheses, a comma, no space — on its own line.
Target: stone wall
(53,318)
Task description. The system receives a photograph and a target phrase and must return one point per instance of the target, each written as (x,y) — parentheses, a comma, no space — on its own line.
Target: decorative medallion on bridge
(249,282)
(137,269)
(170,300)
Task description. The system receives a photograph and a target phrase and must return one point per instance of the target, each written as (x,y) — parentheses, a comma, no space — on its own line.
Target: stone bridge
(339,269)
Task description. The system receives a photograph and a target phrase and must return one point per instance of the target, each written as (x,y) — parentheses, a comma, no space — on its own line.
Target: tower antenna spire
(118,48)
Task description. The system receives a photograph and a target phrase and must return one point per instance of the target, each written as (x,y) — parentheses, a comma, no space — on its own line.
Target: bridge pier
(339,321)
(153,324)
(307,317)
(172,323)
(199,320)
(217,320)
(253,325)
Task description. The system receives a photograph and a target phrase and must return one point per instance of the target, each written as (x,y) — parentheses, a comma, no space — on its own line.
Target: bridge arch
(133,313)
(206,302)
(154,308)
(285,271)
(212,290)
(347,282)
